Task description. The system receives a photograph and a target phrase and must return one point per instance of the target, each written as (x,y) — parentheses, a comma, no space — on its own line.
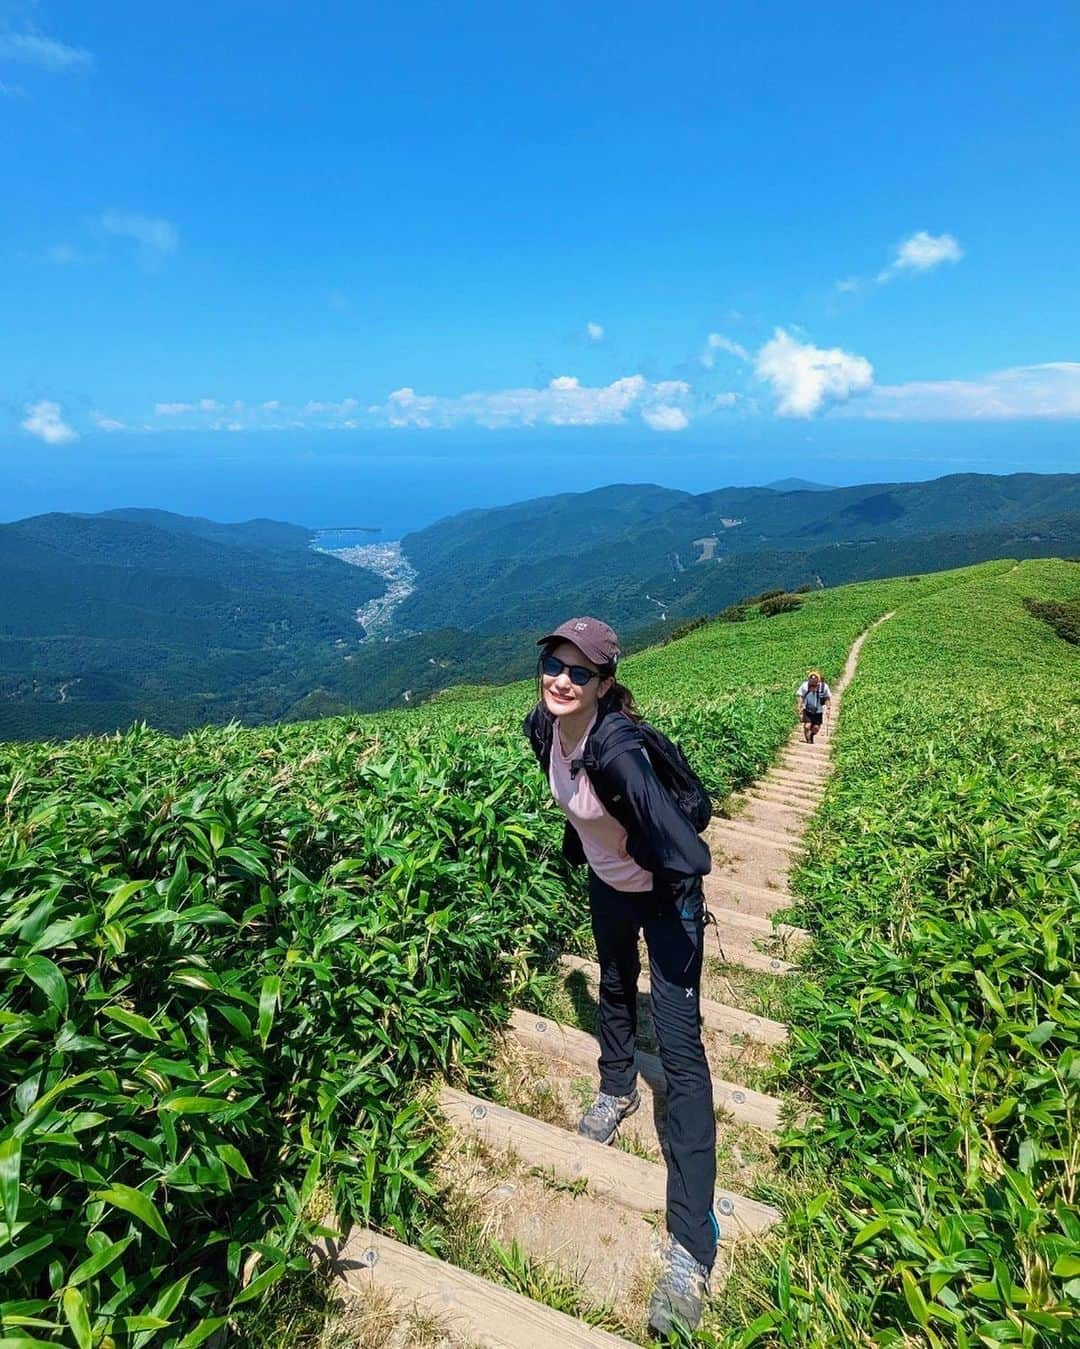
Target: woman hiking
(645,862)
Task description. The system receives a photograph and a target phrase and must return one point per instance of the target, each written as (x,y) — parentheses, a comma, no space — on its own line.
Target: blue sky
(255,252)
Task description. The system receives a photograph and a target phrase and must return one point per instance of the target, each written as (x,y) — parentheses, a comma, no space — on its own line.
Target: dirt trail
(591,1217)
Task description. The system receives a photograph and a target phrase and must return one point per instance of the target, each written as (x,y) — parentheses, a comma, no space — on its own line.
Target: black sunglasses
(579,674)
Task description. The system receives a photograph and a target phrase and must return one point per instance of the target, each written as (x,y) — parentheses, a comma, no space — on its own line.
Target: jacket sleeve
(659,836)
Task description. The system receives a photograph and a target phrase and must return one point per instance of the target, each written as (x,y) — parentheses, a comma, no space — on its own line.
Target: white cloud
(63,254)
(594,332)
(805,377)
(45,420)
(271,406)
(31,49)
(848,286)
(154,237)
(182,409)
(665,417)
(920,253)
(342,409)
(564,401)
(105,423)
(1051,390)
(718,342)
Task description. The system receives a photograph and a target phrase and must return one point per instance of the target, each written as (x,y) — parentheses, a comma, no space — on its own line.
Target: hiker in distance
(814,697)
(639,835)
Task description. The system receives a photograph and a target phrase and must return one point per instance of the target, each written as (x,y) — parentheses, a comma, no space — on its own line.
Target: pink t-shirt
(603,839)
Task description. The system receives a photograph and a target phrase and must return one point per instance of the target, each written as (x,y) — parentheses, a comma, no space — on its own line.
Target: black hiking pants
(674,937)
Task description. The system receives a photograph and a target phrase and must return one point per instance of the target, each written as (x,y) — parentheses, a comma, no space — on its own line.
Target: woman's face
(561,694)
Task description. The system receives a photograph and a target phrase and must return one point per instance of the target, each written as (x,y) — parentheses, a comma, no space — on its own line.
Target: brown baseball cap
(592,638)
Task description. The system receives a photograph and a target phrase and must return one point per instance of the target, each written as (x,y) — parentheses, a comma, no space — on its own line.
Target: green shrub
(780,604)
(1063,618)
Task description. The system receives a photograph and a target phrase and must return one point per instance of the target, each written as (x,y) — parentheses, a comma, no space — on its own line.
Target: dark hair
(617,699)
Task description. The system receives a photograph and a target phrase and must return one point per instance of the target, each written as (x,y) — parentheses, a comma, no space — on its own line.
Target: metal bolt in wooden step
(483,1313)
(618,1176)
(715,1016)
(578,1047)
(750,958)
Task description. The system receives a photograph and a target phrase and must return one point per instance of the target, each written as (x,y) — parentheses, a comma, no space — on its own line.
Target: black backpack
(671,767)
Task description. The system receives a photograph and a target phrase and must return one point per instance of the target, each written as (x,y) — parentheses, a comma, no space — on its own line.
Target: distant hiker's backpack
(671,767)
(818,695)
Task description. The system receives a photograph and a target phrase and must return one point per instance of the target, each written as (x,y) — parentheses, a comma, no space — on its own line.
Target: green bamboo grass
(939,1036)
(227,961)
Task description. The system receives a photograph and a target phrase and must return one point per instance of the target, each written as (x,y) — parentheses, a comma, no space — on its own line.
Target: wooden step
(809,770)
(735,953)
(757,814)
(731,885)
(805,776)
(799,777)
(733,830)
(783,796)
(464,1304)
(715,1016)
(618,1176)
(751,927)
(578,1047)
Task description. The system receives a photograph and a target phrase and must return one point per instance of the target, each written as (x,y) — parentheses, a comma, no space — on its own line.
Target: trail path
(592,1215)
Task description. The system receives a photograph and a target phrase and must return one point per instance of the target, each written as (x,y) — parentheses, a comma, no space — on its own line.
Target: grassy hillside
(230,958)
(939,1036)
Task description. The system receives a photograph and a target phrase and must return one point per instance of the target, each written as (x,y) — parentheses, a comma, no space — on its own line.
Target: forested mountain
(146,615)
(636,551)
(110,618)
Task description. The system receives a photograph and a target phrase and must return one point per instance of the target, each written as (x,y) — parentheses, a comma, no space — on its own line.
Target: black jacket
(659,837)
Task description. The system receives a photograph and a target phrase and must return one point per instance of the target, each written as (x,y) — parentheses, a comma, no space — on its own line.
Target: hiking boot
(680,1291)
(602,1119)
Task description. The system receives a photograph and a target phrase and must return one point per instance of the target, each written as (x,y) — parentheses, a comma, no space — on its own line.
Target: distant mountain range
(142,614)
(634,551)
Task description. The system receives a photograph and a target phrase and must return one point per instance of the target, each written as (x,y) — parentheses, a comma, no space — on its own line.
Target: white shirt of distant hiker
(823,690)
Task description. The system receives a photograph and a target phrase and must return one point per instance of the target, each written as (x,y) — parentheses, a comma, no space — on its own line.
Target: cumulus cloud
(1051,390)
(718,342)
(344,408)
(45,420)
(182,409)
(805,378)
(594,332)
(564,401)
(665,417)
(31,49)
(920,253)
(154,238)
(104,423)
